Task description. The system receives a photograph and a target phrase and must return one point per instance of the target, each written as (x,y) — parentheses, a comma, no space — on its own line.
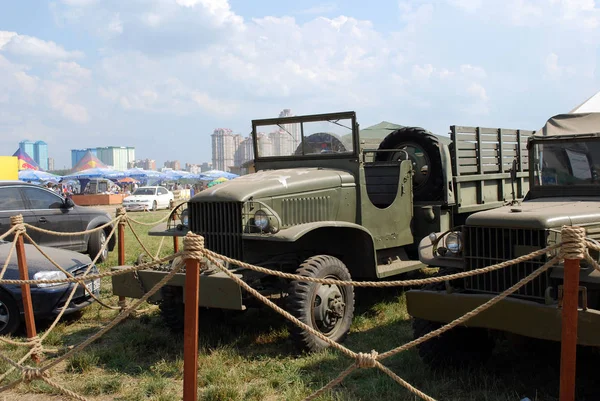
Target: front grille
(220,223)
(485,246)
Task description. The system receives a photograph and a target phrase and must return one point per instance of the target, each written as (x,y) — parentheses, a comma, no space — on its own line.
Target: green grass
(250,357)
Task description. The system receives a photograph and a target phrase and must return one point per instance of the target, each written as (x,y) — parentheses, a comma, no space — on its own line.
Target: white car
(149,198)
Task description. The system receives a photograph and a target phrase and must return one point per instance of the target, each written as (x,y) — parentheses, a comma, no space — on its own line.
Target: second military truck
(330,200)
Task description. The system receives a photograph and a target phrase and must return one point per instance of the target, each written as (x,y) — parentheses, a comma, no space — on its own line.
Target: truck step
(398,267)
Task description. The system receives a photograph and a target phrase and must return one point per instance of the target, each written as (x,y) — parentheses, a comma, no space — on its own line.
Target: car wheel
(97,240)
(154,206)
(9,314)
(325,308)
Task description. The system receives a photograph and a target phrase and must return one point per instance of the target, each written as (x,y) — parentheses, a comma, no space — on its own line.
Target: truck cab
(564,189)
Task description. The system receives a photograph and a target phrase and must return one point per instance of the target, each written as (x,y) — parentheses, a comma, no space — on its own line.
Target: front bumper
(217,290)
(136,206)
(47,302)
(512,315)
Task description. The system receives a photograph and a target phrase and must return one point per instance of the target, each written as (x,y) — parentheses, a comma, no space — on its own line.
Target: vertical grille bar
(488,246)
(220,223)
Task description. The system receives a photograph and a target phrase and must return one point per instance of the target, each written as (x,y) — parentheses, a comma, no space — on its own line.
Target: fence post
(24,275)
(121,245)
(573,249)
(193,246)
(175,238)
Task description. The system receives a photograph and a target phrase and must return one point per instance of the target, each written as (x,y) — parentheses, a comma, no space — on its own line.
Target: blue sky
(161,75)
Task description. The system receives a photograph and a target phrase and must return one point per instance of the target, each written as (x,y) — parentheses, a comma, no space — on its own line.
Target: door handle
(42,220)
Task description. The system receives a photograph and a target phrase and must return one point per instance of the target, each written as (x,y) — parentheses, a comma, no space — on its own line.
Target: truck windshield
(319,138)
(576,162)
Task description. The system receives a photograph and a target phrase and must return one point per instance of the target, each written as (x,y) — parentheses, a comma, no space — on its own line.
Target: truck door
(386,202)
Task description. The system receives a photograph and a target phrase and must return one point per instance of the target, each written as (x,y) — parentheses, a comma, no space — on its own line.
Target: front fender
(294,233)
(426,256)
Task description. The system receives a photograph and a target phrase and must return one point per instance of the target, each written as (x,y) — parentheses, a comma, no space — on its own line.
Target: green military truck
(564,189)
(329,200)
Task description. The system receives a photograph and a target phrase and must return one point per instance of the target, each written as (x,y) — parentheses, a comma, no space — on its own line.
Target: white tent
(592,105)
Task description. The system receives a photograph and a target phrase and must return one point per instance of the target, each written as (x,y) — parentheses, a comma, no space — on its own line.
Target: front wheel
(326,308)
(9,314)
(95,244)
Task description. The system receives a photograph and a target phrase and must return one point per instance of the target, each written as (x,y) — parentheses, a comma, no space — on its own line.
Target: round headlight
(261,220)
(185,217)
(454,242)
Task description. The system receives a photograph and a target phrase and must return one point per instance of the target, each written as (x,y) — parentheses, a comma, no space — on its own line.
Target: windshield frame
(327,117)
(544,191)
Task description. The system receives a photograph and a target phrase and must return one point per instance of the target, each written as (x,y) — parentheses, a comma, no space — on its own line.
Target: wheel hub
(328,307)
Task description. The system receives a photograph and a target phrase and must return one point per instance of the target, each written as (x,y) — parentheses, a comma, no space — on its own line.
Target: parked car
(47,299)
(46,209)
(149,198)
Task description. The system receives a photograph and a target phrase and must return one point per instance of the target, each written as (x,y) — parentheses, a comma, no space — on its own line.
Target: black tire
(95,243)
(304,302)
(10,317)
(172,307)
(314,144)
(154,206)
(460,347)
(428,179)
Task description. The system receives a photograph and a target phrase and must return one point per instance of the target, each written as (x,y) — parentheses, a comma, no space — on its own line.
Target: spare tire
(423,149)
(321,142)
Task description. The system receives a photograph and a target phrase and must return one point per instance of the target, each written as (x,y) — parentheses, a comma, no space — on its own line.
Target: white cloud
(28,83)
(59,99)
(115,26)
(79,3)
(29,46)
(70,69)
(319,9)
(473,71)
(467,5)
(553,70)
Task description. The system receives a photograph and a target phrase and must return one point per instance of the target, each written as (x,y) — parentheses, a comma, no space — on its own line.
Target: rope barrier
(574,245)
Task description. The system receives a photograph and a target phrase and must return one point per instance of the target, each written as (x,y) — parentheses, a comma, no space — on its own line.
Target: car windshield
(576,162)
(145,191)
(320,138)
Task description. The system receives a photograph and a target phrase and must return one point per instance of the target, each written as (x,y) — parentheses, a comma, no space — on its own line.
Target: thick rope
(573,242)
(377,284)
(71,234)
(9,232)
(13,246)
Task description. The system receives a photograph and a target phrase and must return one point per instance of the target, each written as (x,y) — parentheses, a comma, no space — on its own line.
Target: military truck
(329,200)
(564,189)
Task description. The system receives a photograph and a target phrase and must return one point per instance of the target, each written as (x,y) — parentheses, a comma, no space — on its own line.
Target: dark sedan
(47,299)
(46,209)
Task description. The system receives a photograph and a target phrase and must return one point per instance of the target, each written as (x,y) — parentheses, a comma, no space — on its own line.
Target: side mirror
(69,203)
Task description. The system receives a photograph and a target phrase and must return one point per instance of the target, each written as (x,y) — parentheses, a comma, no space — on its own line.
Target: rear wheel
(9,314)
(423,150)
(325,308)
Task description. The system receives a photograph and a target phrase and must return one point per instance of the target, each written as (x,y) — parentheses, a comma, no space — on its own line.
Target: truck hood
(274,183)
(540,214)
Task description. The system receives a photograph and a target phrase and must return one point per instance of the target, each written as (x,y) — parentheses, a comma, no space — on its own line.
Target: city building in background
(51,164)
(206,166)
(174,165)
(224,146)
(232,150)
(146,164)
(117,157)
(40,154)
(193,168)
(38,151)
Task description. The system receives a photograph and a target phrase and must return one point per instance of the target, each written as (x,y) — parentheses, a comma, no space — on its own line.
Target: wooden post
(190,331)
(25,291)
(121,250)
(175,244)
(570,306)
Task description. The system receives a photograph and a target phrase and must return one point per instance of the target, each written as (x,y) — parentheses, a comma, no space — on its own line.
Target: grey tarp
(567,124)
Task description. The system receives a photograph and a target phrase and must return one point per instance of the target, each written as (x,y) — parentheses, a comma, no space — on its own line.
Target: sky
(161,75)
